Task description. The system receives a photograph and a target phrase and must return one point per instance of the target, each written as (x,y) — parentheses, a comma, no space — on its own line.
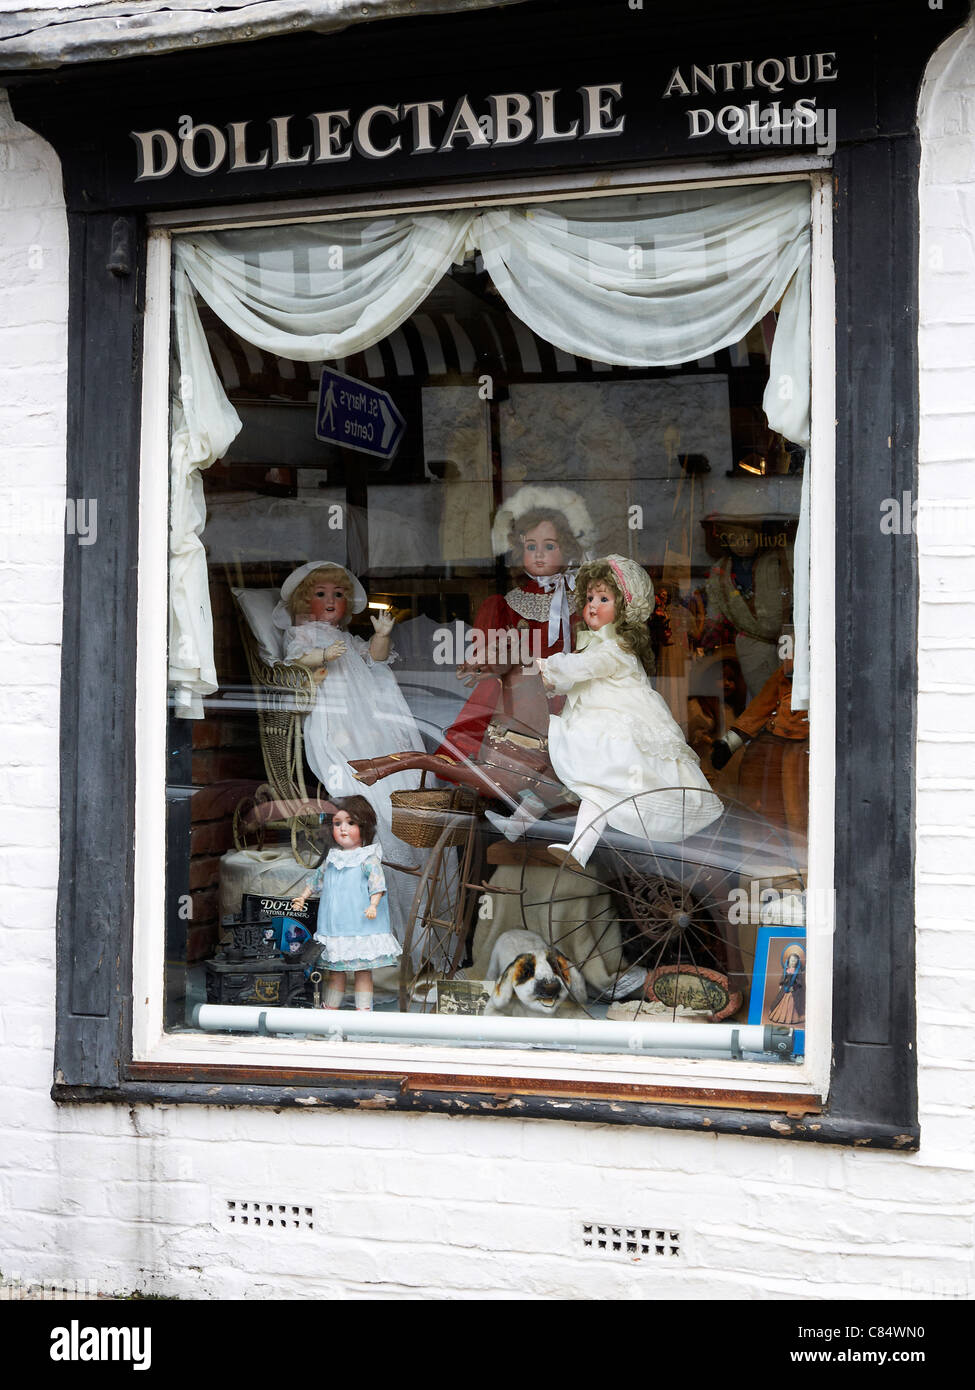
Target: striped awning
(437,346)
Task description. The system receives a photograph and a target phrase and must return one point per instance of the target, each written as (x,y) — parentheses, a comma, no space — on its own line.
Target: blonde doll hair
(299,601)
(632,636)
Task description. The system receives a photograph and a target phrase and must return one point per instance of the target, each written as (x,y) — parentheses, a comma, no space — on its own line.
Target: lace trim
(389,660)
(369,949)
(664,746)
(351,858)
(534,607)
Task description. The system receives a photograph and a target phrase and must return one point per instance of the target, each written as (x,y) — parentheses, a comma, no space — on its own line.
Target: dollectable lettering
(415,128)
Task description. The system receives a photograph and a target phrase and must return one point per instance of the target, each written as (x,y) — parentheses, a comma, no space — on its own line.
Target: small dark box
(278,983)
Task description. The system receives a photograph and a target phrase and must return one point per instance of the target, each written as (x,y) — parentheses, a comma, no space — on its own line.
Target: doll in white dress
(616,744)
(359,710)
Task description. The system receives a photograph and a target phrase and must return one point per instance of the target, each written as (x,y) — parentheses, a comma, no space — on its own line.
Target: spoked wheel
(441,915)
(263,811)
(673,922)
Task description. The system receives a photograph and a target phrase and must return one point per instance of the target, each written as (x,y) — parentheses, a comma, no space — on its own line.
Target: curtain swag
(642,280)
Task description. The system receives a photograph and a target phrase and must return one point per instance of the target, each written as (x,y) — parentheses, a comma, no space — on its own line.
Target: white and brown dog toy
(530,977)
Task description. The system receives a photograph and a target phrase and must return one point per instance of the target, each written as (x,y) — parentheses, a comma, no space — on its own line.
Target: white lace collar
(351,858)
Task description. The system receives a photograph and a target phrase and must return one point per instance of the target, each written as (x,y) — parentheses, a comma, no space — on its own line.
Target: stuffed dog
(531,978)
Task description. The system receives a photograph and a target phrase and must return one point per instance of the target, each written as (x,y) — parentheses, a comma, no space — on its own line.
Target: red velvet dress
(511,694)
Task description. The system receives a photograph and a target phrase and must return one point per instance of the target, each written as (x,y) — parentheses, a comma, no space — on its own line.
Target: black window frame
(873,1092)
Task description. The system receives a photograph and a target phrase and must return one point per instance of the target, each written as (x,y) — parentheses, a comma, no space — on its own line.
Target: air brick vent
(635,1243)
(269,1216)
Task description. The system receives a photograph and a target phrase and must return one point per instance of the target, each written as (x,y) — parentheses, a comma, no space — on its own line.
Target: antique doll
(789,1005)
(773,778)
(353,927)
(752,588)
(545,531)
(359,710)
(615,740)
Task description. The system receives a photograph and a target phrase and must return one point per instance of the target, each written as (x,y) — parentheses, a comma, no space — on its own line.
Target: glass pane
(389,811)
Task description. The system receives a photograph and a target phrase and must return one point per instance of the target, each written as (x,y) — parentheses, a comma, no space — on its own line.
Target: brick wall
(411,1205)
(946,546)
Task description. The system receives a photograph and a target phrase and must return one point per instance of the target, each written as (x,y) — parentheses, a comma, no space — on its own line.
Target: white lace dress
(616,742)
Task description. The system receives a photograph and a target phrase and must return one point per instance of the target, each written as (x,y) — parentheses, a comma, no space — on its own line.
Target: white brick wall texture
(413,1205)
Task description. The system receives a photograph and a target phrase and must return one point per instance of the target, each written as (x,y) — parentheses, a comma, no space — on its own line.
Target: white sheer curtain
(307,292)
(637,280)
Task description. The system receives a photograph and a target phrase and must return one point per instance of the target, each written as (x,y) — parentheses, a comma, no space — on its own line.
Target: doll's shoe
(512,827)
(565,857)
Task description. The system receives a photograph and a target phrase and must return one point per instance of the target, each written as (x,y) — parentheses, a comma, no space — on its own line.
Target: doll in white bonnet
(615,744)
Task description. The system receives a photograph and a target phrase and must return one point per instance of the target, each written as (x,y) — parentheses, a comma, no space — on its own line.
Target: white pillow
(257,605)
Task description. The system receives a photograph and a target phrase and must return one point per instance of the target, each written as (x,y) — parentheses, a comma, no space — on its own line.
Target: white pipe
(584,1034)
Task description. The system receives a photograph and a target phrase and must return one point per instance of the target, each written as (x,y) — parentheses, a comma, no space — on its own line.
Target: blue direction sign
(357,416)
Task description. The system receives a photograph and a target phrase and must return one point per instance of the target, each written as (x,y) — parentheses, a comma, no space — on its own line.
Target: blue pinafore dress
(350,940)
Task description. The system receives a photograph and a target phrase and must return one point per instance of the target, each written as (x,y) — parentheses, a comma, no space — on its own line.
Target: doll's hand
(383,624)
(297,904)
(469,674)
(310,659)
(333,652)
(370,912)
(319,675)
(540,671)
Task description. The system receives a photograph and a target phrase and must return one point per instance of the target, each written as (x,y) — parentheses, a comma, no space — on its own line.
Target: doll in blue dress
(353,917)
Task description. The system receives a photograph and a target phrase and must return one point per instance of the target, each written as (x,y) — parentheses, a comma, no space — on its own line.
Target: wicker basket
(419,817)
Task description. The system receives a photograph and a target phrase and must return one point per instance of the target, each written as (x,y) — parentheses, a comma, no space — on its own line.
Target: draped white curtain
(639,280)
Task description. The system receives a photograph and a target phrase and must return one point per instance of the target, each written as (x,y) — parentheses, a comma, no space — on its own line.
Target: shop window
(429,792)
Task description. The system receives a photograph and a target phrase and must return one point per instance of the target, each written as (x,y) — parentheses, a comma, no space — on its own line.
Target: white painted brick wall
(946,746)
(409,1205)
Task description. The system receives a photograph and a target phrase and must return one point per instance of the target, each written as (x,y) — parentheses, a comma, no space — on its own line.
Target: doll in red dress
(545,531)
(500,737)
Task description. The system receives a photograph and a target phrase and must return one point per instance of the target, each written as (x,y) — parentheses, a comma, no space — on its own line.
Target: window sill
(756,1115)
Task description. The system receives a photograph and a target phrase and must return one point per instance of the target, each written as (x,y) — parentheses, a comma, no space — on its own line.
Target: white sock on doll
(334,994)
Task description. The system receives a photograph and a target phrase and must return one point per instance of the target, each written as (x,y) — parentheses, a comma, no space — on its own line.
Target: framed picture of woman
(778,992)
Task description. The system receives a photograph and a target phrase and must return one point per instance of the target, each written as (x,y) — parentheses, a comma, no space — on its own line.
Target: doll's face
(345,834)
(542,553)
(327,604)
(600,607)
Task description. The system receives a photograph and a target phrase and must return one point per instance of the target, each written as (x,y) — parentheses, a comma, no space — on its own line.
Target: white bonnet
(637,587)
